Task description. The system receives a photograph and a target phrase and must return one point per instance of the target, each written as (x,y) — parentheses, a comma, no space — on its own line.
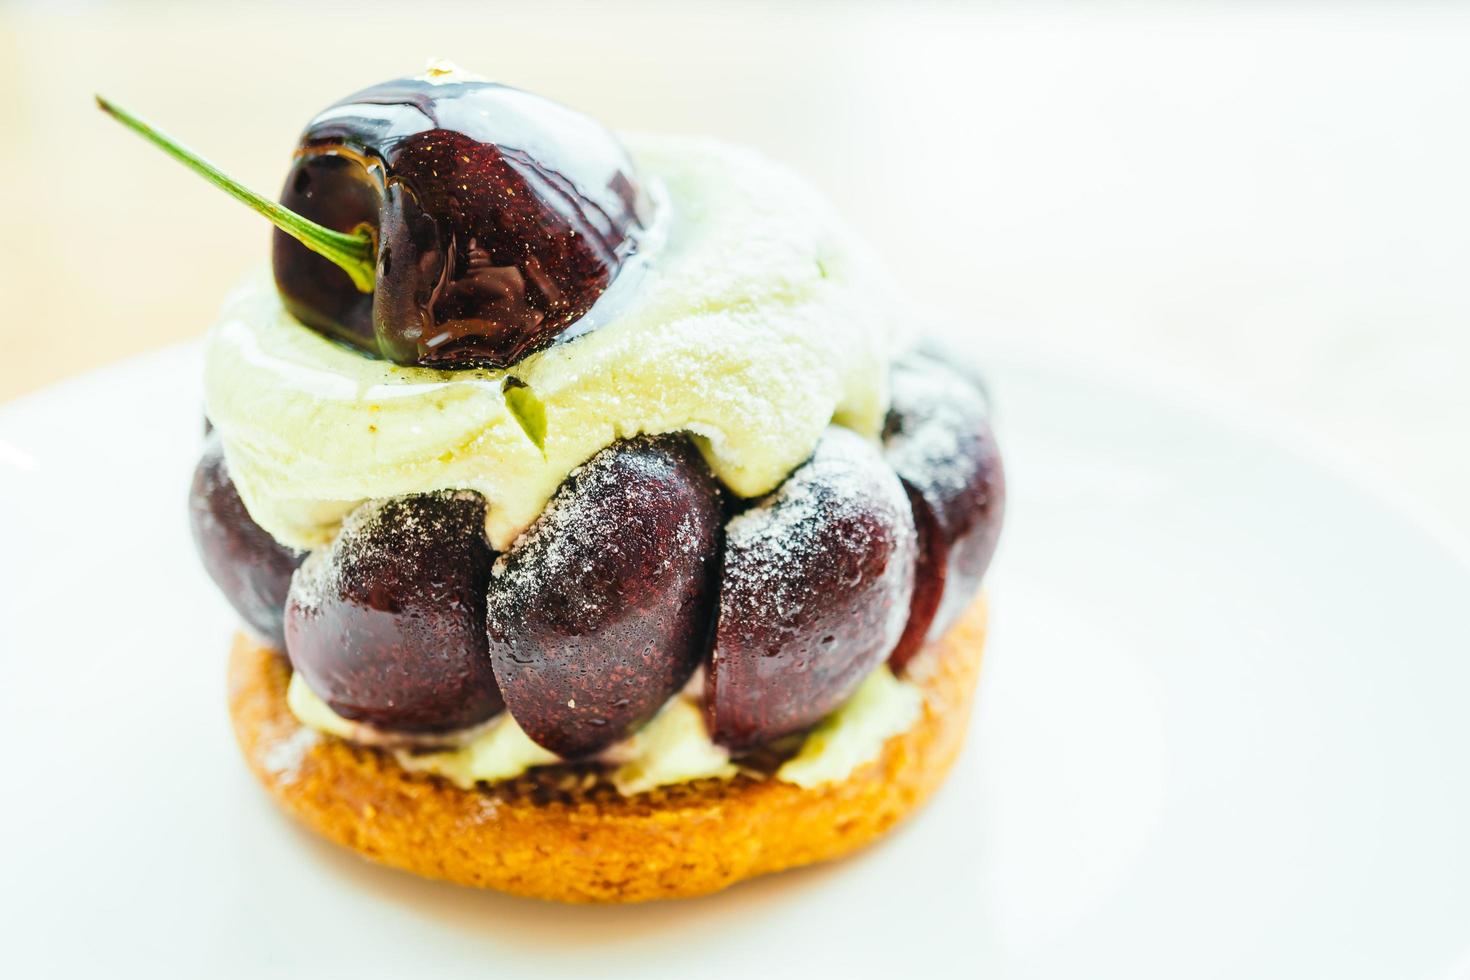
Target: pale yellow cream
(674,747)
(502,751)
(883,706)
(759,320)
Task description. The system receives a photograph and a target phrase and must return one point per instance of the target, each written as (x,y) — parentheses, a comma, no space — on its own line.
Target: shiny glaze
(500,219)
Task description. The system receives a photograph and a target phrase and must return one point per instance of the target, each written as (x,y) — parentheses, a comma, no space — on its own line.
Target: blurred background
(1265,206)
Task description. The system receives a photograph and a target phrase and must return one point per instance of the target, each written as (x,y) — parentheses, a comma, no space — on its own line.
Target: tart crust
(562,833)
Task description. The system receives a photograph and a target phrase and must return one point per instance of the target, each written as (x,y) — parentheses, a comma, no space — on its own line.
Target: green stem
(353,253)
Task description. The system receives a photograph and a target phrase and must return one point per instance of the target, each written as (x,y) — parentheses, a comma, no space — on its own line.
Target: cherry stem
(354,253)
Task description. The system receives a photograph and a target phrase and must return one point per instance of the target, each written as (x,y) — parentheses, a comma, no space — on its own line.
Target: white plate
(1223,730)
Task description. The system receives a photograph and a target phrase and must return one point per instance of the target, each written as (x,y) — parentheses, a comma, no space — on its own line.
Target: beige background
(1268,204)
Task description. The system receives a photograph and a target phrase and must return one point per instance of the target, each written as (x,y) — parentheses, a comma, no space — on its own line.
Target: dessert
(598,530)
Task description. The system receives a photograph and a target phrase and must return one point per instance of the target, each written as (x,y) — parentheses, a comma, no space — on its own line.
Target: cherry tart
(639,571)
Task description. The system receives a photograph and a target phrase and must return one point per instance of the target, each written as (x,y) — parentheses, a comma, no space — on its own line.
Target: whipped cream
(757,321)
(883,706)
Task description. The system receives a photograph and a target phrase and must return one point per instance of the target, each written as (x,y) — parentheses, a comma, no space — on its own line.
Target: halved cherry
(248,565)
(387,625)
(601,610)
(817,582)
(938,439)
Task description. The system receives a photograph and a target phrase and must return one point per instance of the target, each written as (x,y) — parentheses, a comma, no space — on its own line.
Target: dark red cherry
(817,581)
(500,218)
(445,221)
(938,439)
(387,625)
(601,610)
(247,564)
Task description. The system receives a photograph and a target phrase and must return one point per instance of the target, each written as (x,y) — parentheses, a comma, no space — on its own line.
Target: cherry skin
(601,610)
(817,582)
(250,568)
(387,625)
(938,439)
(500,218)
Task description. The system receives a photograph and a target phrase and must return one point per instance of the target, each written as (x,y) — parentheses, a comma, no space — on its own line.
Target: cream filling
(758,320)
(674,747)
(883,706)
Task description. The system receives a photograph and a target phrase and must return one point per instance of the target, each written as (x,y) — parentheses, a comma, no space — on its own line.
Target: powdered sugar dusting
(358,544)
(845,482)
(553,549)
(283,759)
(937,418)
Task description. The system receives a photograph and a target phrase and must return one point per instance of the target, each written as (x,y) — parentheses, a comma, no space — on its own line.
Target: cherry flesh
(500,218)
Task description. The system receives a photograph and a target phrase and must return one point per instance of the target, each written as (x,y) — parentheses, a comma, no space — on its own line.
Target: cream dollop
(883,706)
(759,320)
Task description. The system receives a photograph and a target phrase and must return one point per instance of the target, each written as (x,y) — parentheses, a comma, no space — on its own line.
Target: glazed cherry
(601,610)
(250,568)
(817,582)
(938,439)
(445,221)
(500,218)
(388,624)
